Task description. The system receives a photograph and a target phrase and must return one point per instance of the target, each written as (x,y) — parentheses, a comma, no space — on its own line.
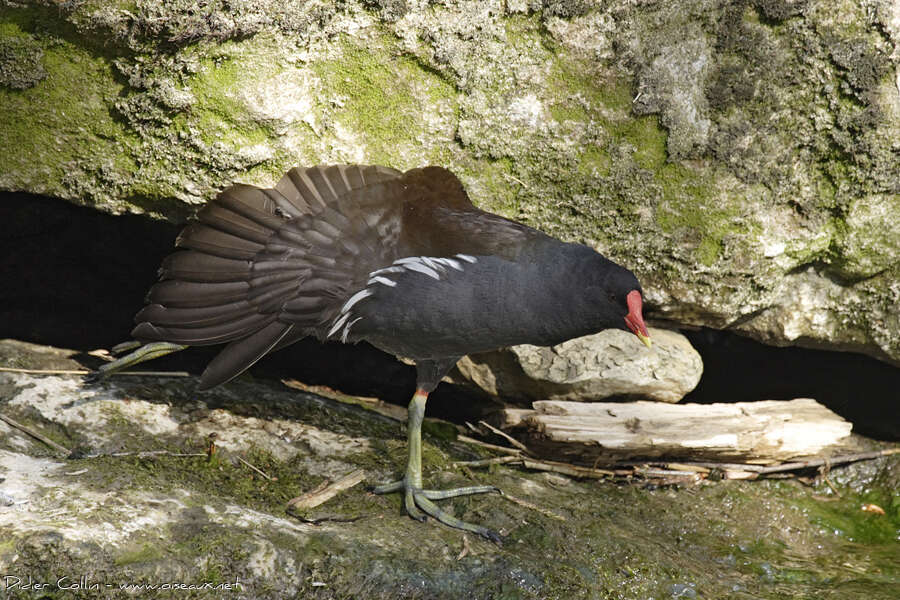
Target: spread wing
(262,268)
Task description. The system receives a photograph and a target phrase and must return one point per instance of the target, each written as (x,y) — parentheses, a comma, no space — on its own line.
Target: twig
(504,449)
(466,548)
(831,485)
(534,507)
(507,437)
(674,471)
(566,469)
(649,472)
(246,464)
(834,460)
(497,460)
(45,371)
(326,492)
(145,454)
(707,466)
(35,435)
(149,373)
(87,372)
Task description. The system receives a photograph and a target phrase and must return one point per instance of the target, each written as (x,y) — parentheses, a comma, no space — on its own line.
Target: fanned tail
(260,268)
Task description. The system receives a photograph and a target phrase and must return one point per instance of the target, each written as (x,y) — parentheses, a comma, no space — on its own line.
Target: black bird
(401,260)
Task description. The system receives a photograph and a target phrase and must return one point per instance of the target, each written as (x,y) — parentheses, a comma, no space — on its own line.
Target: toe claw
(492,537)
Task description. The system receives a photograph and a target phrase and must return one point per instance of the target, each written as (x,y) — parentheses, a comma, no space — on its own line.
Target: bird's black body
(426,274)
(402,260)
(489,303)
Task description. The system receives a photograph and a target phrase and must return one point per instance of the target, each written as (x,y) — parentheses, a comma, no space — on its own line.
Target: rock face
(741,157)
(107,517)
(610,363)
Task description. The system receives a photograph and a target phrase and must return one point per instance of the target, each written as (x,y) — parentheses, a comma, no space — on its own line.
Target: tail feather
(190,265)
(262,268)
(189,294)
(203,336)
(223,219)
(167,316)
(240,355)
(218,243)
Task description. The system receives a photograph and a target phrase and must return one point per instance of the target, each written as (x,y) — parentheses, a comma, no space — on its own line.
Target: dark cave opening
(74,277)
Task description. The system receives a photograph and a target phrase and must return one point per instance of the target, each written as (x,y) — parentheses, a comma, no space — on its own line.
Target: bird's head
(624,302)
(612,297)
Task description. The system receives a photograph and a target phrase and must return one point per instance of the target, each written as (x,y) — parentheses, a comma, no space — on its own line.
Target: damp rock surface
(106,516)
(741,158)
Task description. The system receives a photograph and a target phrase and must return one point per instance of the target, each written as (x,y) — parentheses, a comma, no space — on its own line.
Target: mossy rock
(740,157)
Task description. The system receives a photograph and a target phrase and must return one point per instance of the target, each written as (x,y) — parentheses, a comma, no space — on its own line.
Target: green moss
(221,477)
(63,120)
(219,115)
(52,430)
(441,430)
(594,162)
(384,98)
(501,190)
(691,205)
(145,553)
(649,141)
(575,77)
(7,546)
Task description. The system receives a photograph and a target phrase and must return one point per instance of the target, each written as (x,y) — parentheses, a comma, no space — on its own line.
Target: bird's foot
(144,352)
(418,503)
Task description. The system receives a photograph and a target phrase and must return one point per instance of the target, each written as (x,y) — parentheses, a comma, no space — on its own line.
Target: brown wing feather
(261,267)
(439,219)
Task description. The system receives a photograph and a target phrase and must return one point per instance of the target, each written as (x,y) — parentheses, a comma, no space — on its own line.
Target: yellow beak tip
(646,340)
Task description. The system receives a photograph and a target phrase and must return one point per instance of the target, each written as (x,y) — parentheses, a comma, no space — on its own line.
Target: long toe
(463,491)
(451,521)
(418,503)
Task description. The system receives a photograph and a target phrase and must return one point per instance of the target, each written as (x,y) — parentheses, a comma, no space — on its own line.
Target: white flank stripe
(364,293)
(408,260)
(449,262)
(386,270)
(467,258)
(415,266)
(337,325)
(433,263)
(382,280)
(347,330)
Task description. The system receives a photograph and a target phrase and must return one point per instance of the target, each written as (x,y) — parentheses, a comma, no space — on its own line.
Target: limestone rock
(740,157)
(610,363)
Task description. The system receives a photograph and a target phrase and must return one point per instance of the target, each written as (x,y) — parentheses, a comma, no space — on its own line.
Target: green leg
(418,500)
(145,352)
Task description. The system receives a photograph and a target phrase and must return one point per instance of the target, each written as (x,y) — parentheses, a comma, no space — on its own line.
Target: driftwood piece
(325,492)
(750,432)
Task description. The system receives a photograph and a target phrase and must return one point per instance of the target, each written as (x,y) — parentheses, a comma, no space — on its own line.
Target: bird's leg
(417,500)
(145,352)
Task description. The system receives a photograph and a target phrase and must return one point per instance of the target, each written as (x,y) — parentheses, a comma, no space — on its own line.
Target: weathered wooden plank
(756,432)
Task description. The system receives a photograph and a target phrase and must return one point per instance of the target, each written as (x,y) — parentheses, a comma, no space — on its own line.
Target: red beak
(635,319)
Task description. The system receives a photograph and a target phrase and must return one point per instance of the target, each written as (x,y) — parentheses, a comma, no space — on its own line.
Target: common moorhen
(401,260)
